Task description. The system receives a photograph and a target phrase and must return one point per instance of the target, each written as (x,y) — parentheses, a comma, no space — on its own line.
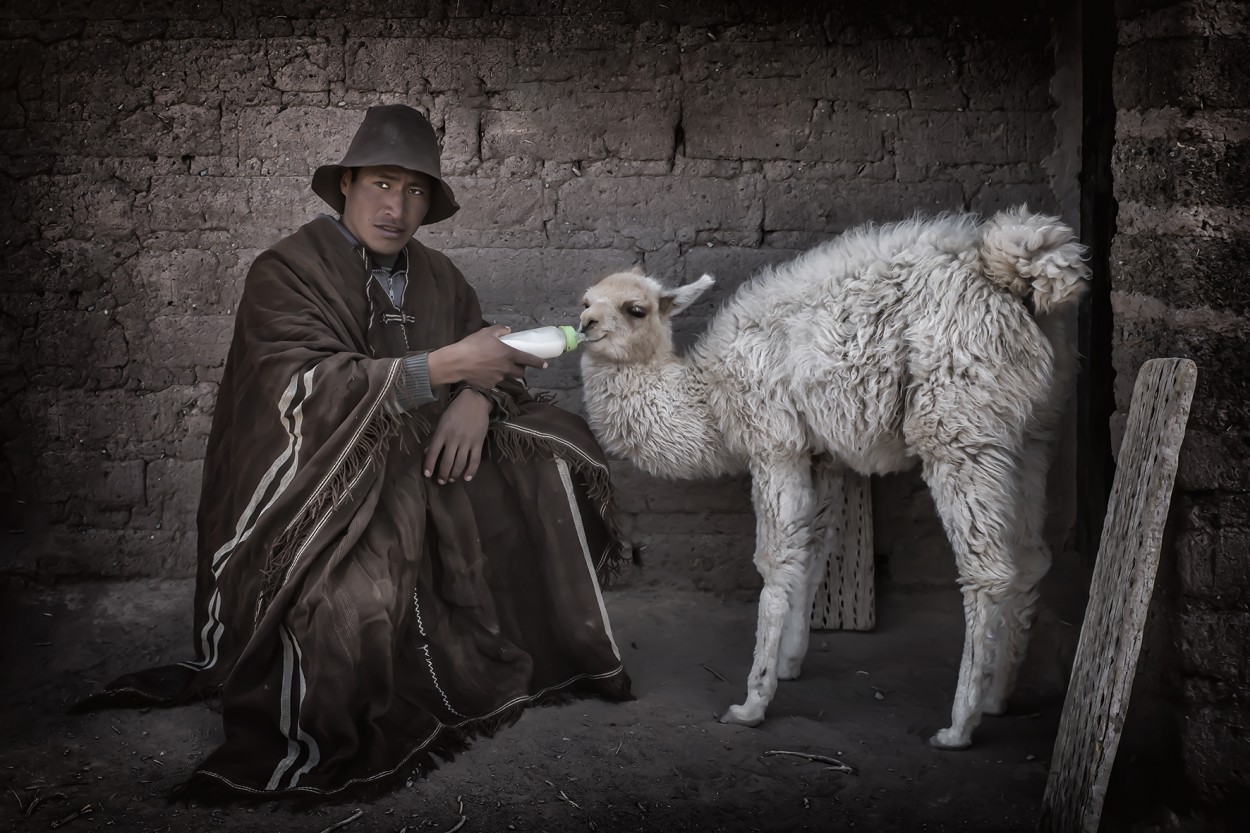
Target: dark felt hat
(393,134)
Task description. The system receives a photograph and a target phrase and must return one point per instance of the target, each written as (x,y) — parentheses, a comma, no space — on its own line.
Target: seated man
(398,545)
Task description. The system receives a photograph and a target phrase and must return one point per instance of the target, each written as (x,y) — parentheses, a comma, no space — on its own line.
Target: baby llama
(939,341)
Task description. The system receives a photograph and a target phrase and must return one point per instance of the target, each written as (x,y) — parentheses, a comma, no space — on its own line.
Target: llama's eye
(637,312)
(585,304)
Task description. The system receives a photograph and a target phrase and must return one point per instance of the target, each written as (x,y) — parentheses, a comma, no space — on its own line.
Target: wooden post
(1123,580)
(846,598)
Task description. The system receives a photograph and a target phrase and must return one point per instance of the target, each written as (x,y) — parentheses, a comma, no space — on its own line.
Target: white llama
(924,340)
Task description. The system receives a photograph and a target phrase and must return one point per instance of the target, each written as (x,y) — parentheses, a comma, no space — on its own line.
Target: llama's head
(627,316)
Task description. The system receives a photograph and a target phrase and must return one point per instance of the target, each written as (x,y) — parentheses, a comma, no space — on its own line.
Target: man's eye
(637,312)
(384,185)
(416,192)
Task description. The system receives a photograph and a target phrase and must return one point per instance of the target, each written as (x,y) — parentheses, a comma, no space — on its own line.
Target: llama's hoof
(742,716)
(949,741)
(995,710)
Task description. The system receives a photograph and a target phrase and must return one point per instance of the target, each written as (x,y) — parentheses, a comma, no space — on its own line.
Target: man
(398,545)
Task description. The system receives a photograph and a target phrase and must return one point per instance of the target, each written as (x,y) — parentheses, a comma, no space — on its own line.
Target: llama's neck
(656,416)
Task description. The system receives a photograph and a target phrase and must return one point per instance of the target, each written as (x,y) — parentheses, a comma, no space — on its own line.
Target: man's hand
(480,359)
(456,445)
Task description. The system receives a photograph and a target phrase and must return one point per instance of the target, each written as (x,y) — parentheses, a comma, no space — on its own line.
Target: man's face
(385,206)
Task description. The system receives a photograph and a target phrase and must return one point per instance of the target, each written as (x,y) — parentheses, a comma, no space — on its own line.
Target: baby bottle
(545,342)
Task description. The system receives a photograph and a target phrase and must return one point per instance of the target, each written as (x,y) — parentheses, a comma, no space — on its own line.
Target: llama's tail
(1035,257)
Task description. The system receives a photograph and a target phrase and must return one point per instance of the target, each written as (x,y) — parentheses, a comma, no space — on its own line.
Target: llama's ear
(673,301)
(638,269)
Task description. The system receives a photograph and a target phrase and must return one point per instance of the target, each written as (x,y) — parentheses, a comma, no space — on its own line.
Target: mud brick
(834,206)
(194,203)
(1004,74)
(542,283)
(281,204)
(584,126)
(1165,171)
(63,207)
(1214,644)
(1214,460)
(172,495)
(615,68)
(84,339)
(653,209)
(183,279)
(805,69)
(402,64)
(1158,73)
(907,63)
(301,65)
(95,480)
(1188,271)
(186,341)
(780,126)
(1223,375)
(502,204)
(296,140)
(1215,743)
(932,139)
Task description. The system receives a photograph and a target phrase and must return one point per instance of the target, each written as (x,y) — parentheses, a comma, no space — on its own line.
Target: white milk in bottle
(545,342)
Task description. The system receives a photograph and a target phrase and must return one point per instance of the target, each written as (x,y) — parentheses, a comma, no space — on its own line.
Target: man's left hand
(456,446)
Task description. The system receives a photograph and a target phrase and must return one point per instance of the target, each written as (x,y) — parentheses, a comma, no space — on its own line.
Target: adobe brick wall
(1180,264)
(149,151)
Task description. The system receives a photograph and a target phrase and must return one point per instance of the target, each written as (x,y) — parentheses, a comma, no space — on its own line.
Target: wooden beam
(846,598)
(1120,590)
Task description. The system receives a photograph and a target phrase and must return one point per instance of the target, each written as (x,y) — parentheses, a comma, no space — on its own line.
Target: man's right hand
(480,359)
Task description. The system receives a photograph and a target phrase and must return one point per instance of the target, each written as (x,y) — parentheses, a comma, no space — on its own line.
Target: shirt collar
(401,260)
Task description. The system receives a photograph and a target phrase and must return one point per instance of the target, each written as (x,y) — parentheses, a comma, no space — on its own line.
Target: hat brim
(327,178)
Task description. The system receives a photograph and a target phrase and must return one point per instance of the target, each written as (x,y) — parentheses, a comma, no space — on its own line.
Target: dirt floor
(660,763)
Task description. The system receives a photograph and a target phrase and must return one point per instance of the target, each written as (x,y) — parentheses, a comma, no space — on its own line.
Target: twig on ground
(459,824)
(345,821)
(569,800)
(714,672)
(30,808)
(833,763)
(21,808)
(460,805)
(82,811)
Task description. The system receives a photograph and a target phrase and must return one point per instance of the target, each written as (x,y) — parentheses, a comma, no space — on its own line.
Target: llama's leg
(782,494)
(975,496)
(1018,606)
(827,489)
(1032,555)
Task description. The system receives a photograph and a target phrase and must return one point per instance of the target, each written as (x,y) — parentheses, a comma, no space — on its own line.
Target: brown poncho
(356,617)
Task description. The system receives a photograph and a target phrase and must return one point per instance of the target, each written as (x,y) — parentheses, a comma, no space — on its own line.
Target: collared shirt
(413,387)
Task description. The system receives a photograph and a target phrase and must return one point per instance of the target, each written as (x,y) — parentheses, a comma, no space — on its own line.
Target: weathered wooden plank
(846,598)
(1120,590)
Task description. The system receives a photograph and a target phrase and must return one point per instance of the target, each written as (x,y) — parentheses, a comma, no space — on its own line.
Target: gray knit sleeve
(413,387)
